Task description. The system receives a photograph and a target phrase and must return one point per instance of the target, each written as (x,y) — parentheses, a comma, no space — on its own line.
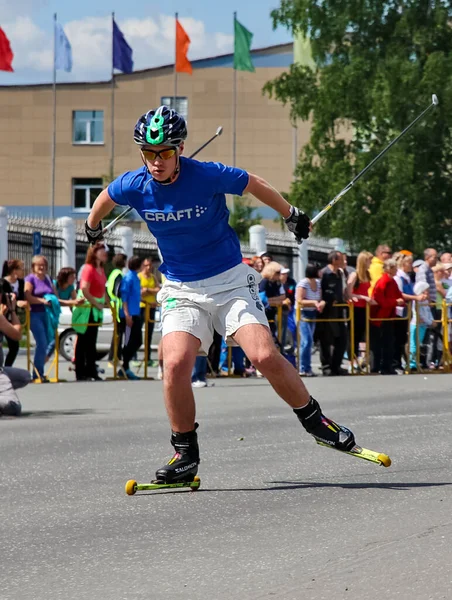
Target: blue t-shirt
(130,293)
(189,218)
(63,294)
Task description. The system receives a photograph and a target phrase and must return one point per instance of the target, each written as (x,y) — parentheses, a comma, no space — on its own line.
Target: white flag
(63,50)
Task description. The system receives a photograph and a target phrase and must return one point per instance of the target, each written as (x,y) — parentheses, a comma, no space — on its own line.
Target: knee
(20,378)
(265,357)
(178,365)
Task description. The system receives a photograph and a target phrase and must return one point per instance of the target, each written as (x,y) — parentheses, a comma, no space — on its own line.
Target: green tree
(377,62)
(243,217)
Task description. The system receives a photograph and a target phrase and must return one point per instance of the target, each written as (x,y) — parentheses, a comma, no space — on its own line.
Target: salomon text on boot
(324,430)
(183,466)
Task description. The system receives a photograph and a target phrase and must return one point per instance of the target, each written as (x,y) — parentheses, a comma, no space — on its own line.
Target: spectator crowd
(389,302)
(388,310)
(130,294)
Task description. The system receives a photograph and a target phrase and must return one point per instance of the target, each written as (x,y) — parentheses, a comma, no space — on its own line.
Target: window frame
(171,101)
(88,141)
(87,187)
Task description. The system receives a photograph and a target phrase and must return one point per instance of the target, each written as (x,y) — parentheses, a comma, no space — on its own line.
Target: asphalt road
(277,517)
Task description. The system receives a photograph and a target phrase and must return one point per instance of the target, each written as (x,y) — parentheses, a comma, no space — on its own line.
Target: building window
(181,104)
(84,192)
(88,127)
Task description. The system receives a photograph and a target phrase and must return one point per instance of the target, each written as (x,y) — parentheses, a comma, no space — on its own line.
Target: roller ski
(329,434)
(132,486)
(180,471)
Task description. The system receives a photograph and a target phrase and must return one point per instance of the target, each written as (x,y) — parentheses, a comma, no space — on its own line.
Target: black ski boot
(323,429)
(183,466)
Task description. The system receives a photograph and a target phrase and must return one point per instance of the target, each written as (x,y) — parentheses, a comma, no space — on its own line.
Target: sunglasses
(152,155)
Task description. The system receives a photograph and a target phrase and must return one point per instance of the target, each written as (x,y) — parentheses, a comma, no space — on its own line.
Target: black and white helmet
(163,126)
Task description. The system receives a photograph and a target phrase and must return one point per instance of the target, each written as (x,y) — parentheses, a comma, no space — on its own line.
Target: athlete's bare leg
(179,354)
(257,343)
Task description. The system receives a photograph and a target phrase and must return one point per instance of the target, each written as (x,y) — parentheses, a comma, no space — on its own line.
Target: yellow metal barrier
(147,320)
(55,364)
(349,319)
(446,342)
(445,321)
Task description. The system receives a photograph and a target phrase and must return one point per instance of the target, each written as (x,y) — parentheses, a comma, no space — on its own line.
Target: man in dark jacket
(333,335)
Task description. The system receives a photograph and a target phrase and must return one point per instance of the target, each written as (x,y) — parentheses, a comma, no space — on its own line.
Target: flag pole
(234,110)
(175,59)
(52,184)
(112,156)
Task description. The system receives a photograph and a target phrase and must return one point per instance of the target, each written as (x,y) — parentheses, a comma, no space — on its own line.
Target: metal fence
(20,245)
(20,241)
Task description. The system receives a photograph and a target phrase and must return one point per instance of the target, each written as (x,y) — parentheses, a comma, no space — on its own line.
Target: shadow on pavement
(47,414)
(294,485)
(289,485)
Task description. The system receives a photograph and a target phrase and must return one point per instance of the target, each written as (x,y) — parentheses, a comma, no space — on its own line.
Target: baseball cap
(284,270)
(420,287)
(418,263)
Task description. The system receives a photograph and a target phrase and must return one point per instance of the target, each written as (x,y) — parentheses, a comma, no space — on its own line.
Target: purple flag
(122,52)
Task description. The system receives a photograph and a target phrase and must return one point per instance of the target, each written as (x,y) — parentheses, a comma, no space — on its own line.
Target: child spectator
(65,287)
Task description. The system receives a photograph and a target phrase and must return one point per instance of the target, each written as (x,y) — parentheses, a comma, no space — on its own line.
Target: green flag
(242,45)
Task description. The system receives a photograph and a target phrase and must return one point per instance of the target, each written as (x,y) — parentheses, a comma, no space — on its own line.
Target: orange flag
(183,65)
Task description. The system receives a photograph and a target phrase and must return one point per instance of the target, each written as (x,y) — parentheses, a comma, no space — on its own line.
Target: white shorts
(224,302)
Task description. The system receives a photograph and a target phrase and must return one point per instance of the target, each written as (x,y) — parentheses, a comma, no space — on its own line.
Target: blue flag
(122,52)
(63,50)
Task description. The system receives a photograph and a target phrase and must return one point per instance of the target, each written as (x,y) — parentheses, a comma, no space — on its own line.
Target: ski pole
(349,186)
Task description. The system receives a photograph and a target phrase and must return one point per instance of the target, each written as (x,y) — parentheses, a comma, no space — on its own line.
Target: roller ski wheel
(132,486)
(364,453)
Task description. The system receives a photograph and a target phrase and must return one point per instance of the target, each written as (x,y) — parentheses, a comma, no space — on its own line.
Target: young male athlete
(207,286)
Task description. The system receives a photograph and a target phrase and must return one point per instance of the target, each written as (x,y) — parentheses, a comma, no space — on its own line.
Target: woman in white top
(309,296)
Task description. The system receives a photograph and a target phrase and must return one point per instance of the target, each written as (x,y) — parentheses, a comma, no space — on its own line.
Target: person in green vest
(113,290)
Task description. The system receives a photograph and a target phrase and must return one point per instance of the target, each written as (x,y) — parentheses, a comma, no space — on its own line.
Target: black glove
(94,235)
(298,223)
